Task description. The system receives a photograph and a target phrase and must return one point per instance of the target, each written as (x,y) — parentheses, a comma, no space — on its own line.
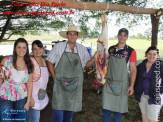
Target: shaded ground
(92,111)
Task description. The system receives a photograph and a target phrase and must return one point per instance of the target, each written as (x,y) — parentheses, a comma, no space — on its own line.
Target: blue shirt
(146,79)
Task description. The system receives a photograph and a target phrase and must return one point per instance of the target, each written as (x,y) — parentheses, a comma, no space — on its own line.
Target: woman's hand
(32,102)
(29,92)
(27,105)
(1,81)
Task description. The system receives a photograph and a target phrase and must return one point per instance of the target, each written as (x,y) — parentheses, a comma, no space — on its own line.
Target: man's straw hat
(71,28)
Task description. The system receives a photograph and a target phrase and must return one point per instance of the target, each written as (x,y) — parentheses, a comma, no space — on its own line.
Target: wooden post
(155,25)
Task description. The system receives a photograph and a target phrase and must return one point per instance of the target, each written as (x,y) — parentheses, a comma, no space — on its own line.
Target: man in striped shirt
(70,58)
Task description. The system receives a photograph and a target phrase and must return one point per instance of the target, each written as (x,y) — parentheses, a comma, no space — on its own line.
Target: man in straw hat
(69,58)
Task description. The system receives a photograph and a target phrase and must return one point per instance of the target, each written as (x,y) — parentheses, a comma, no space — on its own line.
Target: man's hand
(133,71)
(96,54)
(130,91)
(51,69)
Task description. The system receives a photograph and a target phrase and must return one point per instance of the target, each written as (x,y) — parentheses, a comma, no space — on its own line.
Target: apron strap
(65,47)
(75,46)
(68,57)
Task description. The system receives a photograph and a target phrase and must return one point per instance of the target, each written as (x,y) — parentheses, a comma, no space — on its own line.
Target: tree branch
(10,35)
(99,6)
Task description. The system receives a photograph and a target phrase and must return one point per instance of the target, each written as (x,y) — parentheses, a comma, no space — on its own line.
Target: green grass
(140,45)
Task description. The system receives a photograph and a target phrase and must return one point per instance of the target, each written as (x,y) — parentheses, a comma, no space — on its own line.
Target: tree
(108,7)
(140,36)
(12,23)
(155,13)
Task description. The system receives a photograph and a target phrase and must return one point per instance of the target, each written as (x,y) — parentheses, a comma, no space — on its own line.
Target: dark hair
(152,48)
(26,56)
(123,30)
(69,31)
(38,43)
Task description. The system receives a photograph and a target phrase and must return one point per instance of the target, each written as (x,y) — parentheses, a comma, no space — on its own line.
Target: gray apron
(68,83)
(115,88)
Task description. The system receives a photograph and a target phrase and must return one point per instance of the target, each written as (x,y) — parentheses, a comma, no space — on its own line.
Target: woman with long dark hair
(149,85)
(16,91)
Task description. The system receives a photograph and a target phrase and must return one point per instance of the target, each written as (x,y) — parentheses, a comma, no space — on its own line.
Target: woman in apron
(40,79)
(16,91)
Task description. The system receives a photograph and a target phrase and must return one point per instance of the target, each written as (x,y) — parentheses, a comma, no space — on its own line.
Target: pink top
(41,83)
(14,88)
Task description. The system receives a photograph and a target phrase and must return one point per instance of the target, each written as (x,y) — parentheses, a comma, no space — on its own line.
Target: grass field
(140,45)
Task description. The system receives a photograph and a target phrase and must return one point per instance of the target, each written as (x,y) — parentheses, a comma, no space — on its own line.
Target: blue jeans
(62,116)
(12,104)
(33,115)
(107,116)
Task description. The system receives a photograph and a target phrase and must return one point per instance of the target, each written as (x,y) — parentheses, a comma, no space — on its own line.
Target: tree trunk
(155,23)
(5,27)
(14,9)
